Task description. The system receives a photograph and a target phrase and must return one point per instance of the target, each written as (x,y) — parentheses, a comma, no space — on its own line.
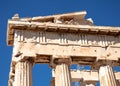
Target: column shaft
(23,74)
(62,75)
(107,77)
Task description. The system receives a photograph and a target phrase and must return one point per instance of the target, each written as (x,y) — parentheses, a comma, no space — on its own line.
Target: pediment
(75,18)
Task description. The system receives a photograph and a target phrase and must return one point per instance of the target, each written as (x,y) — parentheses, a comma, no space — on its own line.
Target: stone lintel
(82,60)
(45,54)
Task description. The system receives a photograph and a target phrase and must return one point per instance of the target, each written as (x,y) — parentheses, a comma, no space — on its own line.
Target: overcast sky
(103,12)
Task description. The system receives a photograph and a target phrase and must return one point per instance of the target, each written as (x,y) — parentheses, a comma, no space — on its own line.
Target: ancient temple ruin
(60,41)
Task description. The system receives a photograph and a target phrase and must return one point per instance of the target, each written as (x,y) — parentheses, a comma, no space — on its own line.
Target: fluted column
(62,75)
(23,73)
(107,77)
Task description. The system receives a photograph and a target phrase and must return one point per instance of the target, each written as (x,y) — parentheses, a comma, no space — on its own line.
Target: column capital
(22,58)
(62,60)
(56,60)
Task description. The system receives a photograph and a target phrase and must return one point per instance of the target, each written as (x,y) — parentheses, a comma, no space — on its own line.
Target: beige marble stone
(62,75)
(23,74)
(107,77)
(62,40)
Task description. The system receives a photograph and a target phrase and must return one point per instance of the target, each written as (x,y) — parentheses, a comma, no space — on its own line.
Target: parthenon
(60,41)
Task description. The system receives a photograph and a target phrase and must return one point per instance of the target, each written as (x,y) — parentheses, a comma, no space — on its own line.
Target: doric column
(23,73)
(62,73)
(107,77)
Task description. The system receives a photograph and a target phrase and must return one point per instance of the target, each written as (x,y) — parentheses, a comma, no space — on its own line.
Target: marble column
(106,76)
(62,75)
(23,73)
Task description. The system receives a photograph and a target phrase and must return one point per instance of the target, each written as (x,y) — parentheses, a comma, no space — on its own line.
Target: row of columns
(63,77)
(23,75)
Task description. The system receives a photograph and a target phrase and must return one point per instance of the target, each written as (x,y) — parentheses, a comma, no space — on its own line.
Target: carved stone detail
(66,38)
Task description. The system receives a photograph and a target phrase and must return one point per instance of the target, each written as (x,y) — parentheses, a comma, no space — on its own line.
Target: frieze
(65,38)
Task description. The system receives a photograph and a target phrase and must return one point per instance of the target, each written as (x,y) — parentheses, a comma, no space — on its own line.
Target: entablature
(82,48)
(49,36)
